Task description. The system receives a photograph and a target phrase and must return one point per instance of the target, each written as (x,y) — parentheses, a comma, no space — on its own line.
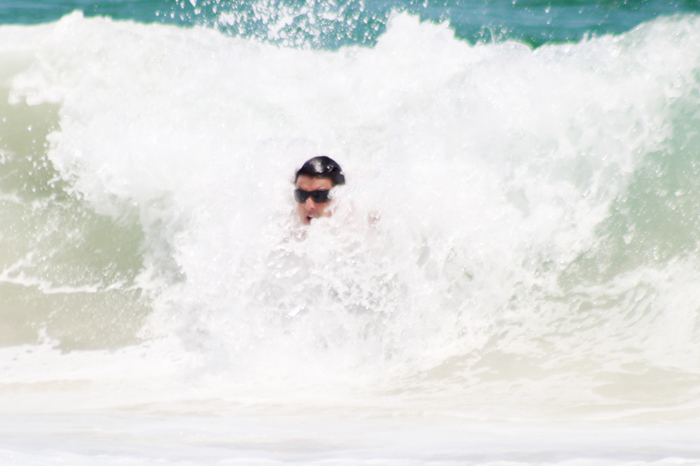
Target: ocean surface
(511,275)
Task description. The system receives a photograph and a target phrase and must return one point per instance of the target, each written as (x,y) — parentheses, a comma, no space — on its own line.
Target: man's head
(313,182)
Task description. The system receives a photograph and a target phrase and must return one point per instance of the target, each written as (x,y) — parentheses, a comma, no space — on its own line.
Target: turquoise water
(350,22)
(510,274)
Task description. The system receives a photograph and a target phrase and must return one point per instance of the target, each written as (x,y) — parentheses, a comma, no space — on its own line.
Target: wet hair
(322,167)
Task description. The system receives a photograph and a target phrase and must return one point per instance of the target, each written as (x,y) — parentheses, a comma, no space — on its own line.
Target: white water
(459,328)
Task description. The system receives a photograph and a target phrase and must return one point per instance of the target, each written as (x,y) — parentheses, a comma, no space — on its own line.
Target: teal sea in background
(317,24)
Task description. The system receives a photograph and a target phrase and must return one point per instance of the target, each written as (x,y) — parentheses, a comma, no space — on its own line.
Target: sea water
(510,275)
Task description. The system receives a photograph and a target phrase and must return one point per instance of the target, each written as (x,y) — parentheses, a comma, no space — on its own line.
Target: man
(314,181)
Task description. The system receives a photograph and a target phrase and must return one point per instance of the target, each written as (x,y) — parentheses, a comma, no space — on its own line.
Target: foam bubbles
(490,169)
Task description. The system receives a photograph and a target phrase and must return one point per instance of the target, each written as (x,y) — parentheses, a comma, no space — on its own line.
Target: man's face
(310,209)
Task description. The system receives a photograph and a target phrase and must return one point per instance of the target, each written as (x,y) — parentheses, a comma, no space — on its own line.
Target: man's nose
(310,204)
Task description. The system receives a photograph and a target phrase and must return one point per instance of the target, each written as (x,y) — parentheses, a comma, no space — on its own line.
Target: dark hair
(322,167)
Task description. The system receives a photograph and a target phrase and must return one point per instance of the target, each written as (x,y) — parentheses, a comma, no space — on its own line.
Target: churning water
(511,274)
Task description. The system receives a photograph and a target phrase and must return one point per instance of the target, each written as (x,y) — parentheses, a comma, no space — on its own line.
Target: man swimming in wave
(314,181)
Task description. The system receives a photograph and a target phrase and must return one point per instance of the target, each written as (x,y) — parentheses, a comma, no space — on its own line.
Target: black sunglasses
(319,196)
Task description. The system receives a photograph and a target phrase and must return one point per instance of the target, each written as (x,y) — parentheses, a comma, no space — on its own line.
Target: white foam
(490,168)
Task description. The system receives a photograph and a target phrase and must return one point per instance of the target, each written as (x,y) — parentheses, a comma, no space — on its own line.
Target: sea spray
(68,274)
(497,241)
